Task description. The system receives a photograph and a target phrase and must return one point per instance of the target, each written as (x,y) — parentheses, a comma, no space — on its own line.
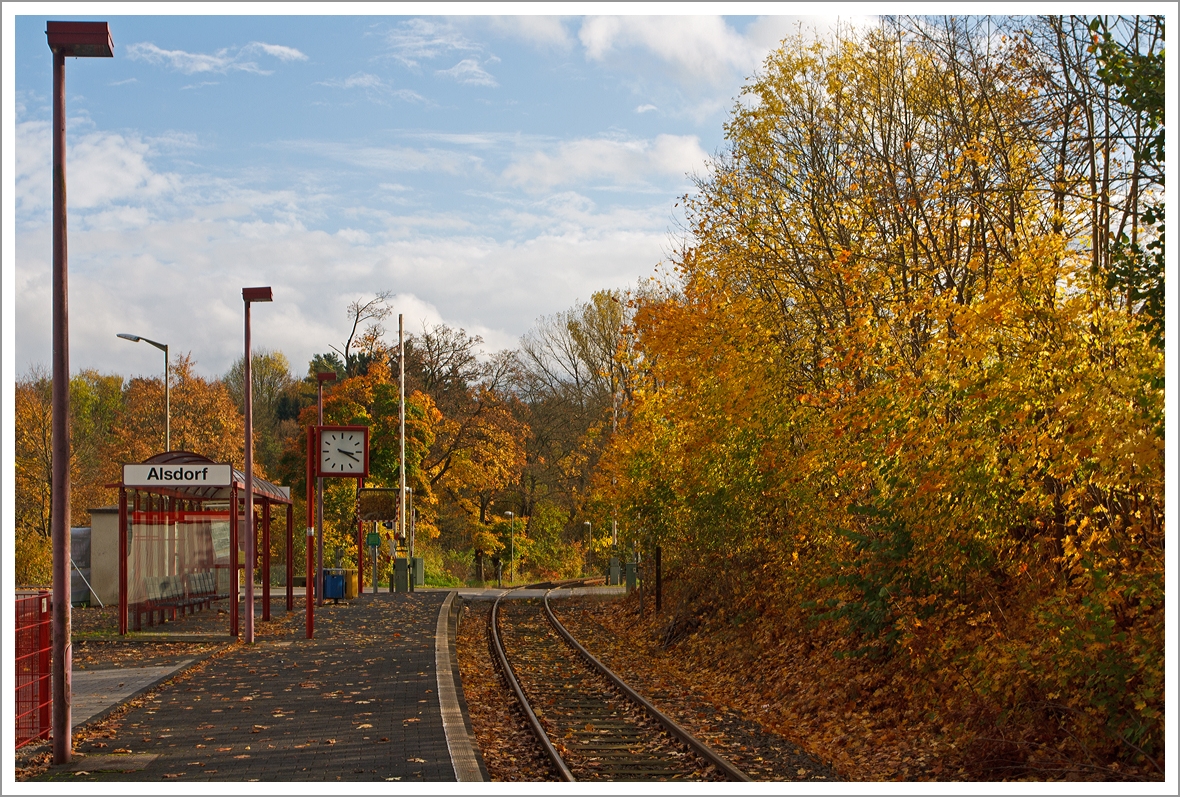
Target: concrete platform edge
(464,758)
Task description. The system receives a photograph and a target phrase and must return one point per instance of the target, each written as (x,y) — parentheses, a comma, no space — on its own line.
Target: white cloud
(545,32)
(702,52)
(373,85)
(646,108)
(361,80)
(469,72)
(103,168)
(607,160)
(698,47)
(768,32)
(417,40)
(279,51)
(179,281)
(393,158)
(223,61)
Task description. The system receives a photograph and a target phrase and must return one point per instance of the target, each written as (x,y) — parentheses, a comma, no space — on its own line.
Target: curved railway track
(591,725)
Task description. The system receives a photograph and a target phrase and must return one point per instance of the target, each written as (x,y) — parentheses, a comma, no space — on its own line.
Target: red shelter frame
(136,502)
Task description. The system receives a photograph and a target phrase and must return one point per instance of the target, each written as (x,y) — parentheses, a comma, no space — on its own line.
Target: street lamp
(76,40)
(167,394)
(249,296)
(511,555)
(588,546)
(320,378)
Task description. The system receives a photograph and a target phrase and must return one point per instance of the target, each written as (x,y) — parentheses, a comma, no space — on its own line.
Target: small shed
(179,537)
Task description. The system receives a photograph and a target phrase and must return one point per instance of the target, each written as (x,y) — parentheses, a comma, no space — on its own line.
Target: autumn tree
(277,400)
(113,421)
(364,344)
(478,450)
(575,379)
(370,399)
(892,406)
(204,417)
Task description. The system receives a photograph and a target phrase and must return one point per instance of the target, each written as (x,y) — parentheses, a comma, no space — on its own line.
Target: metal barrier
(34,696)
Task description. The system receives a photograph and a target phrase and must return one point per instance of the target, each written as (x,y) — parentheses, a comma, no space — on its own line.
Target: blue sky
(488,170)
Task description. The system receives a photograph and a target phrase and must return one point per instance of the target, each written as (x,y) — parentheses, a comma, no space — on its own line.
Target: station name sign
(190,475)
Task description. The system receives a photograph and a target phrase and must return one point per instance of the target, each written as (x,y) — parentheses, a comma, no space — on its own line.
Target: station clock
(344,451)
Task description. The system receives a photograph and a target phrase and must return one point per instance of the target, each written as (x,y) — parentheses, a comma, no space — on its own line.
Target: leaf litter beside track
(509,749)
(607,629)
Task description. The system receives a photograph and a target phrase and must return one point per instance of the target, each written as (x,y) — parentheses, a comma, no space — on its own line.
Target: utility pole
(401,425)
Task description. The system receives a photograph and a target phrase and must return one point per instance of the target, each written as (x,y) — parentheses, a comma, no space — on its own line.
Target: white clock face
(342,452)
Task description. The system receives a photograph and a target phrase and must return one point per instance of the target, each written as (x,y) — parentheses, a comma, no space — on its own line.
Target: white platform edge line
(459,744)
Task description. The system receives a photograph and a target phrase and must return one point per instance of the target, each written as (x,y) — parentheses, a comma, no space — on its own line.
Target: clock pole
(320,378)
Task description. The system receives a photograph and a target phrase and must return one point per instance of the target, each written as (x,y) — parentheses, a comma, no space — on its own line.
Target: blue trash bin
(333,583)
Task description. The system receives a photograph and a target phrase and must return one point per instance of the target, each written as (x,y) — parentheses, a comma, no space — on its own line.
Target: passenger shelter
(178,532)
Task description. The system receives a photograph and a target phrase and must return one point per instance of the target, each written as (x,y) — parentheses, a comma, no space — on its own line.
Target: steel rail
(538,731)
(697,746)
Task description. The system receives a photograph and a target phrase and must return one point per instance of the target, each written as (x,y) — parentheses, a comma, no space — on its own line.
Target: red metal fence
(34,696)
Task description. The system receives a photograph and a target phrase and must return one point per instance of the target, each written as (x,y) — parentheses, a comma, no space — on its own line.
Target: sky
(487,170)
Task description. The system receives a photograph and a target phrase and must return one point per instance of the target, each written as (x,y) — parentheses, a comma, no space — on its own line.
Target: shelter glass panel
(178,557)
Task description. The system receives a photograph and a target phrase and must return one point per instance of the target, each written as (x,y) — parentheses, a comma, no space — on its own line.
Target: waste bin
(401,574)
(614,571)
(333,583)
(419,572)
(632,575)
(350,583)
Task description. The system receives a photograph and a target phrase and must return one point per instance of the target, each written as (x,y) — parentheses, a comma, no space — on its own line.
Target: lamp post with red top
(250,295)
(77,40)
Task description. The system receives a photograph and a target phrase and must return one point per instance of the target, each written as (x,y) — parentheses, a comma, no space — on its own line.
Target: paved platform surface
(94,691)
(358,703)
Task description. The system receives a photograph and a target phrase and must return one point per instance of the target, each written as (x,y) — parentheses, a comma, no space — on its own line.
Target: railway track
(591,724)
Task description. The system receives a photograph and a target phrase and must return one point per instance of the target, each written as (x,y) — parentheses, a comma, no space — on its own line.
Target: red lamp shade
(80,39)
(257,294)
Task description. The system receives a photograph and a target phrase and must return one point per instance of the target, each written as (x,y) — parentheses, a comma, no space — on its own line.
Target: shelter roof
(262,487)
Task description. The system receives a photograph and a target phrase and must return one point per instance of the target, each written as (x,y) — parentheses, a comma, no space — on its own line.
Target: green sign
(373,539)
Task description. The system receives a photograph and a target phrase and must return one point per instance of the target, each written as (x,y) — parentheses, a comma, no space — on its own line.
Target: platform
(375,696)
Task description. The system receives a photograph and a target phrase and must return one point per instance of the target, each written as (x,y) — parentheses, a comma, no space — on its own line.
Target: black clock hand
(353,457)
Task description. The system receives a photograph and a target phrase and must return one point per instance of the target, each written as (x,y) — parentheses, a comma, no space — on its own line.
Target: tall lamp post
(167,393)
(589,546)
(75,40)
(511,552)
(249,296)
(320,378)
